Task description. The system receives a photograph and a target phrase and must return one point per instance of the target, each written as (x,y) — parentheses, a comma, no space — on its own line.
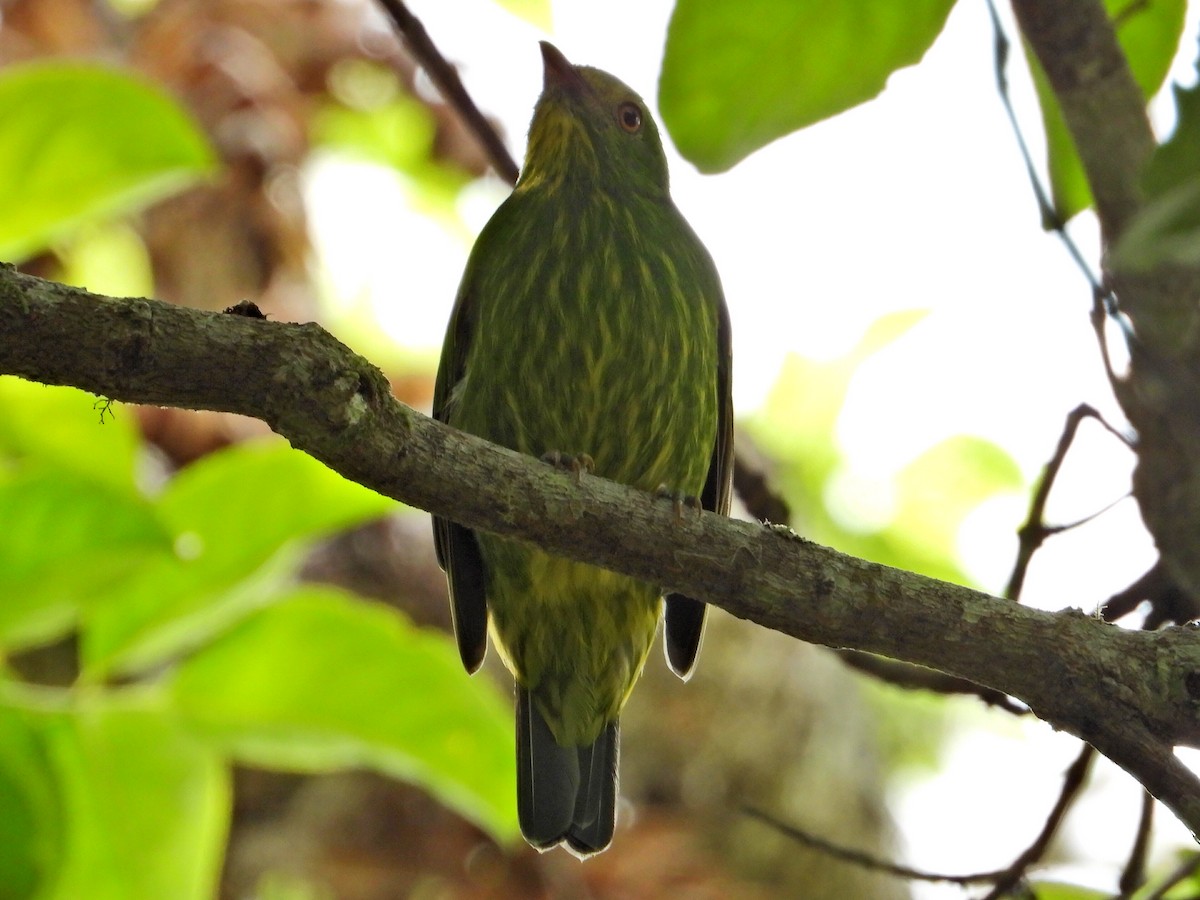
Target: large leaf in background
(240,516)
(245,502)
(62,427)
(145,806)
(1149,34)
(83,142)
(737,74)
(65,541)
(322,681)
(31,823)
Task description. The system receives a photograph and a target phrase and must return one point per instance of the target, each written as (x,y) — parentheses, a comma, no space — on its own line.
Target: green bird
(590,325)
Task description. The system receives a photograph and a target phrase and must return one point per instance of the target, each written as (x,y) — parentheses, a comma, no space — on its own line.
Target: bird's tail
(564,793)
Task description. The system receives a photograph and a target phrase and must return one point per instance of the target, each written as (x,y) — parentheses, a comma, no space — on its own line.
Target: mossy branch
(1133,695)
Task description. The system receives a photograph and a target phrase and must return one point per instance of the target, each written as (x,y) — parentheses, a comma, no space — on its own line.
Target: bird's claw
(680,500)
(578,465)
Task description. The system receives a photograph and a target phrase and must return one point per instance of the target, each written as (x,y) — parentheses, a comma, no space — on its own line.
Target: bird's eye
(629,117)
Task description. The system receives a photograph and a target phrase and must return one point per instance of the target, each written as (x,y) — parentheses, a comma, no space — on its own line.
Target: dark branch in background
(446,78)
(906,675)
(1133,876)
(1072,785)
(866,860)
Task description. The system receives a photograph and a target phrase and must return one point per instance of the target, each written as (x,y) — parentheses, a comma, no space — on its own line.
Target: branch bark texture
(1133,695)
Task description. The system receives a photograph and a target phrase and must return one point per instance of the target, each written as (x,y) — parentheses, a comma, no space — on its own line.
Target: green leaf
(322,681)
(1055,890)
(245,502)
(62,426)
(31,812)
(144,806)
(1167,228)
(240,517)
(1149,35)
(85,142)
(737,74)
(66,540)
(936,492)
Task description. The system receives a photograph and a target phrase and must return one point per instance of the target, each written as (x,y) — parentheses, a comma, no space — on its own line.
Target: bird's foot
(577,465)
(680,501)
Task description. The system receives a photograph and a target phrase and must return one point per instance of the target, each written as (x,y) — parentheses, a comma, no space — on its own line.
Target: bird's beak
(558,71)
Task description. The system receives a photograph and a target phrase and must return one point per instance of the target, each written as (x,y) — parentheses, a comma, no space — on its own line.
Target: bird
(590,328)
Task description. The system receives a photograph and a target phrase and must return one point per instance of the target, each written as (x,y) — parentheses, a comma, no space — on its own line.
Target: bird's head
(592,128)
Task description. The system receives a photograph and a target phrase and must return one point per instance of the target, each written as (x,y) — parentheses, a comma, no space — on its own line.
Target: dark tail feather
(564,793)
(596,804)
(547,777)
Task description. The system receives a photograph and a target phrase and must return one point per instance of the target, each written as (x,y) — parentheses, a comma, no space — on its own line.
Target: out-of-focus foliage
(189,592)
(1149,34)
(926,501)
(369,690)
(1167,229)
(737,75)
(376,120)
(140,146)
(918,511)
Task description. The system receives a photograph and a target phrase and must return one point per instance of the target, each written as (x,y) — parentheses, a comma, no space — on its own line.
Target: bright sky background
(916,200)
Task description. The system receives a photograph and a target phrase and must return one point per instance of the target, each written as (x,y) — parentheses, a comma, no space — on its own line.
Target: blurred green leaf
(173,605)
(67,540)
(797,422)
(1149,34)
(245,502)
(145,808)
(322,681)
(31,812)
(108,258)
(1167,228)
(738,74)
(934,494)
(85,142)
(61,426)
(1053,890)
(240,517)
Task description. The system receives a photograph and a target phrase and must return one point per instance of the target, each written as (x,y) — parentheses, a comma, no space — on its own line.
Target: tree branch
(1133,695)
(1076,44)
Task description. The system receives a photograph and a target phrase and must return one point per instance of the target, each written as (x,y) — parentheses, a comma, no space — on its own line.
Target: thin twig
(863,859)
(1035,531)
(446,78)
(1051,220)
(1072,784)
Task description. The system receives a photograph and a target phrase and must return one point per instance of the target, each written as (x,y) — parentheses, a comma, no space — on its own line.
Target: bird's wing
(685,616)
(457,550)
